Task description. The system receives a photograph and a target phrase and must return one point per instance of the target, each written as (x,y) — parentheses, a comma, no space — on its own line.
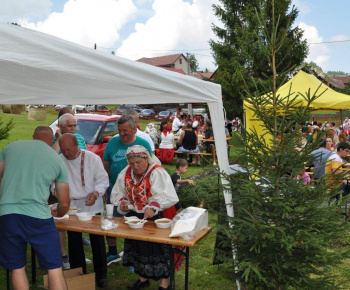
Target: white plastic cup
(109,209)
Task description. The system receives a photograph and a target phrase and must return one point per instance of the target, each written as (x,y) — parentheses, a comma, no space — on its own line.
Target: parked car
(101,109)
(59,107)
(147,114)
(163,115)
(123,108)
(96,129)
(84,108)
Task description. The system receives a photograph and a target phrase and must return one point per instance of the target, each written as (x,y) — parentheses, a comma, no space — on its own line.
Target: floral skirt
(150,260)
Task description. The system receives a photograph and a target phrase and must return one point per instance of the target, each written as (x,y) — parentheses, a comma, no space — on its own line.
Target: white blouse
(162,190)
(167,141)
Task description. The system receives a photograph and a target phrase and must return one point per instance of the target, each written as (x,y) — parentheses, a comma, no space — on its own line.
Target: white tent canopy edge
(36,68)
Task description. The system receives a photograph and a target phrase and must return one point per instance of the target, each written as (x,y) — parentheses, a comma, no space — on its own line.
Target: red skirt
(165,155)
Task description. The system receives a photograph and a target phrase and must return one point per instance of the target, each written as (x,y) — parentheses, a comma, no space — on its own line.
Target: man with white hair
(67,123)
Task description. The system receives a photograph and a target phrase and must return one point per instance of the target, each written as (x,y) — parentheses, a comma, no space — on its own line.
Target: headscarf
(167,129)
(142,152)
(150,125)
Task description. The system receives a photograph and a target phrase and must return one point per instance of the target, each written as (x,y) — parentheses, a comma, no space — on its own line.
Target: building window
(180,61)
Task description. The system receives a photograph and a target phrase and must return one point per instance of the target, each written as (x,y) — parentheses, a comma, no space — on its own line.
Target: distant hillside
(337,73)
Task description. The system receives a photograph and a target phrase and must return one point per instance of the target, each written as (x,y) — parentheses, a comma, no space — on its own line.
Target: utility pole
(188,64)
(189,106)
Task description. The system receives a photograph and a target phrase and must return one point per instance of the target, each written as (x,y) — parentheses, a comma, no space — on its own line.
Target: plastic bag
(189,222)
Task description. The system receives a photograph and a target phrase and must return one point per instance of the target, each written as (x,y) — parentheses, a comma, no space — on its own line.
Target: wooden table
(149,233)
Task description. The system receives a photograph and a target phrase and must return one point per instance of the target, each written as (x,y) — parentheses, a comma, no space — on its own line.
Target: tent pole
(341,117)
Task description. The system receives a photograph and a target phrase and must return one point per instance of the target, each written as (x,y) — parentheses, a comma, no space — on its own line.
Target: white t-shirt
(146,137)
(167,141)
(177,124)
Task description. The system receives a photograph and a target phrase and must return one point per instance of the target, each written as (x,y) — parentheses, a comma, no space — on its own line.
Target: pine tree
(5,129)
(241,52)
(287,235)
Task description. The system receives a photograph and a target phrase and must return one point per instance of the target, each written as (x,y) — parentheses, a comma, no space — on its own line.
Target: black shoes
(138,285)
(102,283)
(162,288)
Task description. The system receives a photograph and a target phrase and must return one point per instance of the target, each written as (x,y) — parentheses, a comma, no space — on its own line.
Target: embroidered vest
(140,192)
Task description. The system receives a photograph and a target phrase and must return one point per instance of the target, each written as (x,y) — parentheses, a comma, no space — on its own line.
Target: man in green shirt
(114,161)
(27,169)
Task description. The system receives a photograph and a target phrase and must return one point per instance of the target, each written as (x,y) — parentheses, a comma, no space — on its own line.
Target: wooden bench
(229,146)
(203,154)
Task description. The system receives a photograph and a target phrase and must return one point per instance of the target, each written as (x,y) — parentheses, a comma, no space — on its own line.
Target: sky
(149,28)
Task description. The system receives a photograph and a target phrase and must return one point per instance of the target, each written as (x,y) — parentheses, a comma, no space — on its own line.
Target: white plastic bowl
(135,224)
(129,218)
(163,223)
(84,216)
(72,211)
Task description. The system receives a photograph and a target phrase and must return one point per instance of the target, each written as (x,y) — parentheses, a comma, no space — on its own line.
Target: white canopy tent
(36,68)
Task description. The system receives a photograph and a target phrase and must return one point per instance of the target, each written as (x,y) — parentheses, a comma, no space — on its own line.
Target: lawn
(202,274)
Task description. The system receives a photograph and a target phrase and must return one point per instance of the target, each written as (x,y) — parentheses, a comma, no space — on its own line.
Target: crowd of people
(187,135)
(333,150)
(55,168)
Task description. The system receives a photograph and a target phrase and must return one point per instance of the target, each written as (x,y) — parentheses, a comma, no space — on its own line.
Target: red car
(96,129)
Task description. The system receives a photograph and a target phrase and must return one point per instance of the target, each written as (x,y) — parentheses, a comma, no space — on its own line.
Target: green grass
(24,128)
(202,274)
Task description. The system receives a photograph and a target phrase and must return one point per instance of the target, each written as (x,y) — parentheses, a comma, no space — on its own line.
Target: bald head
(43,133)
(65,110)
(69,146)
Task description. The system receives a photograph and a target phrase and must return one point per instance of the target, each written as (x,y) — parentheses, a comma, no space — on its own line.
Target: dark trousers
(77,255)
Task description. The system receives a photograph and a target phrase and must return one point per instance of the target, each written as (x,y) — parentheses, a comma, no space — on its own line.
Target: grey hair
(64,118)
(123,119)
(131,112)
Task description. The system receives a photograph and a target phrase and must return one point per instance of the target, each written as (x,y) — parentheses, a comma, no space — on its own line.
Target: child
(303,174)
(181,168)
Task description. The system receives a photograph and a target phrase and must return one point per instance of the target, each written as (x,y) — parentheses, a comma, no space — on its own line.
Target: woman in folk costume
(166,150)
(146,187)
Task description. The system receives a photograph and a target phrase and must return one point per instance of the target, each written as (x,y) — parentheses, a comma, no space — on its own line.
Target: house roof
(333,82)
(161,60)
(180,71)
(344,79)
(203,75)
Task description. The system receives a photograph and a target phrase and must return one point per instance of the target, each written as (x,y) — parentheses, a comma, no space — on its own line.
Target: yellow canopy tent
(300,84)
